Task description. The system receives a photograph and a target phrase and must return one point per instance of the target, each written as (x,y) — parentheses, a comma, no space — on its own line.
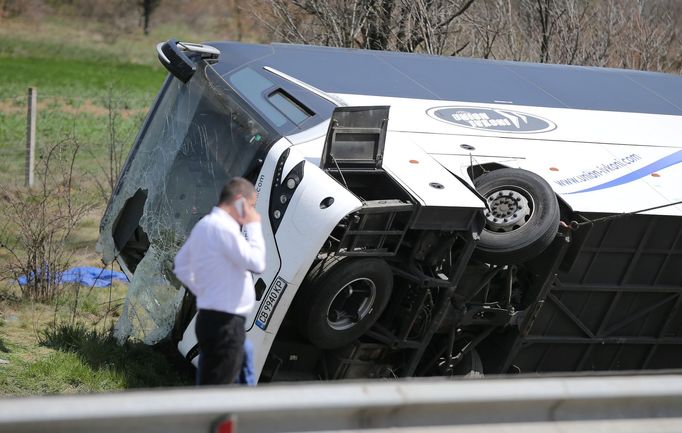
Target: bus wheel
(343,302)
(522,217)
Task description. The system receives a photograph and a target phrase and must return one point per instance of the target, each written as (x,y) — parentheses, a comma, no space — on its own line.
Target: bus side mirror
(179,57)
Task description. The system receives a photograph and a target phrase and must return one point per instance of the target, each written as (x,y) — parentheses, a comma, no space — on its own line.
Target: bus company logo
(492,119)
(269,303)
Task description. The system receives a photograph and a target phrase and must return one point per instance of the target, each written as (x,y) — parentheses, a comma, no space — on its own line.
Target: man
(216,264)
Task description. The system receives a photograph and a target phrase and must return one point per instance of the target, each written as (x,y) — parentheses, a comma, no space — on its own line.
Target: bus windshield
(196,137)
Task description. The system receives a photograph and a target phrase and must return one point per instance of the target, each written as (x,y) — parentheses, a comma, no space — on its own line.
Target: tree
(641,34)
(647,38)
(148,7)
(400,25)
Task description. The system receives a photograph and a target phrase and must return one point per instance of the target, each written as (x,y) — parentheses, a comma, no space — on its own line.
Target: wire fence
(57,101)
(96,121)
(115,95)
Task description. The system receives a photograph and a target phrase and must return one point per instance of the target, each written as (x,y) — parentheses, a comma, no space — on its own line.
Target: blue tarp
(88,276)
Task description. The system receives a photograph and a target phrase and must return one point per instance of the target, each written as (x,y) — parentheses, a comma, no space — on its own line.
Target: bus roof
(406,75)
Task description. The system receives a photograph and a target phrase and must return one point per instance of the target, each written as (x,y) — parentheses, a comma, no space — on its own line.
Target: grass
(91,129)
(133,364)
(80,72)
(66,64)
(71,57)
(62,77)
(82,81)
(77,82)
(59,373)
(51,350)
(65,37)
(79,88)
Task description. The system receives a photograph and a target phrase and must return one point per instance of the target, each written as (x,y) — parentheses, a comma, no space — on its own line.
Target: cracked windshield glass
(196,137)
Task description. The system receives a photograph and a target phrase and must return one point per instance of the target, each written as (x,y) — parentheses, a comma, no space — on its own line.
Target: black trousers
(221,347)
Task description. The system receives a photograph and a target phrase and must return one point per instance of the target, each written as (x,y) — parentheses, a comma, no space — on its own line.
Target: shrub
(39,220)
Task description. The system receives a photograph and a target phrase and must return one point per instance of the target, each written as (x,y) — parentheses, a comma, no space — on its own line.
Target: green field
(95,90)
(49,349)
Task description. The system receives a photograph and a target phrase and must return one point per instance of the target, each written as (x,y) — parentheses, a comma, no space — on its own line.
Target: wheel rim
(509,209)
(352,303)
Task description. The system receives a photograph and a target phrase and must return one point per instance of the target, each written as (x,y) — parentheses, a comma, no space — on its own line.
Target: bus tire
(522,217)
(343,301)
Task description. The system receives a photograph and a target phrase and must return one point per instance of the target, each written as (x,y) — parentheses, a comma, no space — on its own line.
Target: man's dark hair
(234,187)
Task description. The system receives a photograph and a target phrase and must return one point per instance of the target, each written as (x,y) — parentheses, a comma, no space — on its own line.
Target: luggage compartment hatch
(356,138)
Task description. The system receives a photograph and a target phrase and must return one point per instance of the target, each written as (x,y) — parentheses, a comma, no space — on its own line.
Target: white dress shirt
(216,260)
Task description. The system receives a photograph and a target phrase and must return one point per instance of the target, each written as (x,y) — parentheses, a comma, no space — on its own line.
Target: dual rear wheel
(522,216)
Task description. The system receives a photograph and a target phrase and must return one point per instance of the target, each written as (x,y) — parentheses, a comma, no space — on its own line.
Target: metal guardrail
(626,404)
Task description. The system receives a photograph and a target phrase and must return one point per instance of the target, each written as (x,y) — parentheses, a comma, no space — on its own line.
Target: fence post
(31,134)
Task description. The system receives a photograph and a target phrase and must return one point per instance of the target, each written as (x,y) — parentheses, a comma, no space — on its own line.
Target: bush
(38,221)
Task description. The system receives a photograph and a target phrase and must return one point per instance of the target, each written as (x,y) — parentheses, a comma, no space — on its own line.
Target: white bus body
(417,221)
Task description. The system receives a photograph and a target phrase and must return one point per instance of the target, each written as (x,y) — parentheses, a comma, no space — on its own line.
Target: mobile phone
(239,205)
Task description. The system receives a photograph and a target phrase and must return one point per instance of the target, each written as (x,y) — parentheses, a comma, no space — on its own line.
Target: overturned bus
(423,215)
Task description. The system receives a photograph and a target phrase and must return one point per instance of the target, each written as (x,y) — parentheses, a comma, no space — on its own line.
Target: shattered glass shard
(195,138)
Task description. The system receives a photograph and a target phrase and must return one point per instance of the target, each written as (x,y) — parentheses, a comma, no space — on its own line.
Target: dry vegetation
(113,20)
(633,34)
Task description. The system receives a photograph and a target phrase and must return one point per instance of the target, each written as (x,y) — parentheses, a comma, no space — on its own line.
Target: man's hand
(251,215)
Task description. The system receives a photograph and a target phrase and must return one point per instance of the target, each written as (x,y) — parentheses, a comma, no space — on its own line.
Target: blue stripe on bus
(662,163)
